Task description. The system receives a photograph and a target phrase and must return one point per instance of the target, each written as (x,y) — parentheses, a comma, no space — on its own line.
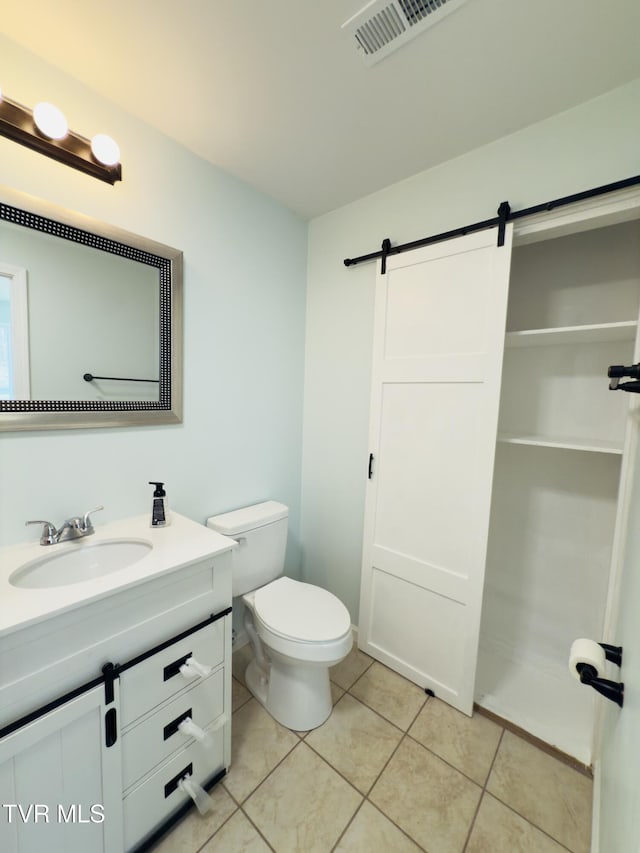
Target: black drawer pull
(171,786)
(172,728)
(172,669)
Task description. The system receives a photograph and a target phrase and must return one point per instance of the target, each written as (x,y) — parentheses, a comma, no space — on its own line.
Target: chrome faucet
(71,528)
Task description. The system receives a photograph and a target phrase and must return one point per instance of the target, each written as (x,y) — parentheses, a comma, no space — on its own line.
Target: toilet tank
(261,533)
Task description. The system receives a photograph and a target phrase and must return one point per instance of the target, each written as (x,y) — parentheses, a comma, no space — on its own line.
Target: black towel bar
(89,377)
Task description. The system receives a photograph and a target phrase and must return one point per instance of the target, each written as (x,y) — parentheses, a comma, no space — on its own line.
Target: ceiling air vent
(383,26)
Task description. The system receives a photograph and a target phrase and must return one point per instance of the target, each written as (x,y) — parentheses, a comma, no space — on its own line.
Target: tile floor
(391,771)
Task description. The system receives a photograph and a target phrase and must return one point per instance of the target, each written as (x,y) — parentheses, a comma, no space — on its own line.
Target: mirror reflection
(90,321)
(74,311)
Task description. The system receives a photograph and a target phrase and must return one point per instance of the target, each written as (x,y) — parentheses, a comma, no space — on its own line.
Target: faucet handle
(49,532)
(86,521)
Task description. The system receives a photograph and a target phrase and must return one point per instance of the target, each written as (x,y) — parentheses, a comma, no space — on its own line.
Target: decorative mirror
(90,322)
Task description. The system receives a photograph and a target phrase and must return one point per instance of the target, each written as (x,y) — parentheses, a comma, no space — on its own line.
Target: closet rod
(504,215)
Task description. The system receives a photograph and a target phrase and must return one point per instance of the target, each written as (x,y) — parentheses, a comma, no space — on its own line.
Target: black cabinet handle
(172,669)
(172,785)
(172,727)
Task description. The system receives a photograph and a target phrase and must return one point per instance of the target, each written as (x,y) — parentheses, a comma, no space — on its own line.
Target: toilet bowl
(304,630)
(297,630)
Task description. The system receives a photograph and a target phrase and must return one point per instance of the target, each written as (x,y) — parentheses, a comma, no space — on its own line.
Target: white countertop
(182,543)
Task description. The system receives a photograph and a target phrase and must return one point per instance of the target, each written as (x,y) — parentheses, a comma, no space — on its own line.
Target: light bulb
(105,149)
(50,120)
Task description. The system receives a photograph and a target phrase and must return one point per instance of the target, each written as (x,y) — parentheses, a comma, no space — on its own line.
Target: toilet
(297,630)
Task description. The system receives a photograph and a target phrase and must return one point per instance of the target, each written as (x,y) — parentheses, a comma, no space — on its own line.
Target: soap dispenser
(160,510)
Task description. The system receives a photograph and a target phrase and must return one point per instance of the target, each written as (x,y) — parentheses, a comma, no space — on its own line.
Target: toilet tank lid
(247,518)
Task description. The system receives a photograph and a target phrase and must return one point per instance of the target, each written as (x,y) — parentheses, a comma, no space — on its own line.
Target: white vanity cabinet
(92,698)
(60,780)
(156,753)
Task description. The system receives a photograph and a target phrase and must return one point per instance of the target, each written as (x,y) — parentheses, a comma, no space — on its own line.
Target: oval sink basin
(79,562)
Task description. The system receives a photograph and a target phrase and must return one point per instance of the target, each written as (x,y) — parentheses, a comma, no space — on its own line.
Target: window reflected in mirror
(14,334)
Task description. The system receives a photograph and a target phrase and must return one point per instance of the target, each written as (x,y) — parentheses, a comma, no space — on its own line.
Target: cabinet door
(438,345)
(60,785)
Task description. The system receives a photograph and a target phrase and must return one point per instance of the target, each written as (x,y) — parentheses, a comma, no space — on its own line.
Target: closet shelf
(564,443)
(595,333)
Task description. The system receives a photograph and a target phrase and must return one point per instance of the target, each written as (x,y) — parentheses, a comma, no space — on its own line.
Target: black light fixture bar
(17,123)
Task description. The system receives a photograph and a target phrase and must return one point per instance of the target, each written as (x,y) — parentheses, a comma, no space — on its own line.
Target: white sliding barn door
(438,343)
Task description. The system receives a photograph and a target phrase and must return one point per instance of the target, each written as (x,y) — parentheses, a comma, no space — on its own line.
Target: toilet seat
(301,612)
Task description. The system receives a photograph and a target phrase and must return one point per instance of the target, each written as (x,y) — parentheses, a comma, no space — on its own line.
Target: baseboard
(540,744)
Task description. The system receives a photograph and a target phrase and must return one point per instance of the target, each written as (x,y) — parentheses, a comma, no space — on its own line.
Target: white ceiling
(274,93)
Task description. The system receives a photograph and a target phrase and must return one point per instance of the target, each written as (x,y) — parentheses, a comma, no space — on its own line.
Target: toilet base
(297,696)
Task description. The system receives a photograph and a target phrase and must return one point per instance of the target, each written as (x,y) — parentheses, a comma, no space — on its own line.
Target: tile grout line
(365,796)
(224,823)
(406,734)
(241,705)
(483,792)
(531,823)
(515,811)
(357,678)
(506,805)
(379,714)
(349,822)
(253,790)
(235,811)
(444,761)
(258,830)
(358,699)
(388,817)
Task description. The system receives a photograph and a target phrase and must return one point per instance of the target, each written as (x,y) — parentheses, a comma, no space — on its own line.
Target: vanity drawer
(154,800)
(155,738)
(157,678)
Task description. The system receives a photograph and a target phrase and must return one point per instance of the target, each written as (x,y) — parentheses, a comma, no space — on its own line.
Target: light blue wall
(589,146)
(245,270)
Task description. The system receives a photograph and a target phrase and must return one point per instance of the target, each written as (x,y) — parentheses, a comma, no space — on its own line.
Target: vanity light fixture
(105,149)
(50,121)
(45,129)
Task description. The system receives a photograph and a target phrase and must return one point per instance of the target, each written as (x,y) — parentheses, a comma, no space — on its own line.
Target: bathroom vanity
(95,685)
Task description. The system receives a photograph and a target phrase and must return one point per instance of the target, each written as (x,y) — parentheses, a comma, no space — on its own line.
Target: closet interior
(560,460)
